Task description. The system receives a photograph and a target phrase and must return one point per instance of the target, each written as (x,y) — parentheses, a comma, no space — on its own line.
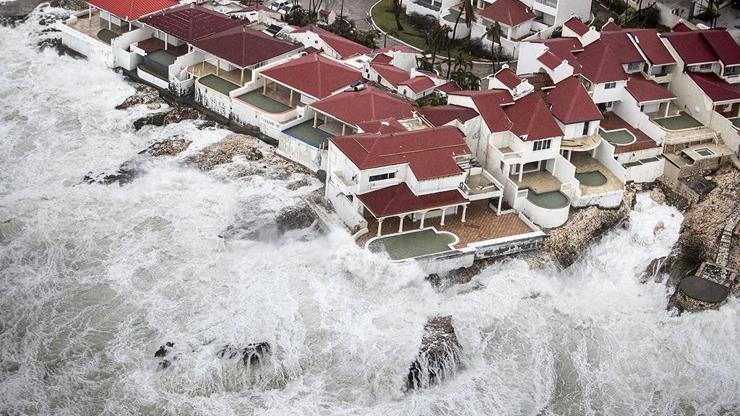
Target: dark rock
(439,354)
(251,355)
(225,151)
(300,183)
(161,352)
(70,4)
(179,114)
(169,344)
(168,147)
(295,218)
(164,364)
(144,95)
(208,124)
(125,174)
(156,119)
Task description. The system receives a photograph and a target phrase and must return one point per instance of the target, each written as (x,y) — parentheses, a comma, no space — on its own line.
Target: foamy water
(95,278)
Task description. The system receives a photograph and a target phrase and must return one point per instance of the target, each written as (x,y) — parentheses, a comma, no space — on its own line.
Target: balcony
(345,185)
(479,184)
(580,144)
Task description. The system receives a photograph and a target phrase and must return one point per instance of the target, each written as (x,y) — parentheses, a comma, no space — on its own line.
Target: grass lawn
(383,16)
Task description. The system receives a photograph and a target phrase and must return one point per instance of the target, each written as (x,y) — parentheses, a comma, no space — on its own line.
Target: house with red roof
(706,81)
(411,177)
(397,72)
(97,30)
(333,45)
(360,109)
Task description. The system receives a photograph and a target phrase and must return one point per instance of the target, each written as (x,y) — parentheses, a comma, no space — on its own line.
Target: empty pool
(704,152)
(680,122)
(549,200)
(594,178)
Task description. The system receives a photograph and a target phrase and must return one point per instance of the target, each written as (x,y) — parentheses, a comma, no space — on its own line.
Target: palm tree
(466,8)
(494,33)
(397,14)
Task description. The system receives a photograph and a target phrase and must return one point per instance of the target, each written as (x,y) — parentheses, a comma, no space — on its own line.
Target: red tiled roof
(531,119)
(385,126)
(343,46)
(570,102)
(489,105)
(130,10)
(418,83)
(645,90)
(575,24)
(508,78)
(724,46)
(564,49)
(508,12)
(429,153)
(448,87)
(550,60)
(610,26)
(244,47)
(190,22)
(314,75)
(368,104)
(717,89)
(681,27)
(390,73)
(621,47)
(399,199)
(443,114)
(599,65)
(650,44)
(382,58)
(692,47)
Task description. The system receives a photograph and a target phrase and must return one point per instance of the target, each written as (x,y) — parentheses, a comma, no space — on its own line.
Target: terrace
(623,136)
(481,224)
(594,177)
(682,121)
(266,103)
(93,26)
(307,133)
(543,189)
(233,77)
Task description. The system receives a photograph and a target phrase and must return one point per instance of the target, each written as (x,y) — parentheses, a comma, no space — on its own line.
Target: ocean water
(94,278)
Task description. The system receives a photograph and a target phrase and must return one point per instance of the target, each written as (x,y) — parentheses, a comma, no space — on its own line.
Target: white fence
(544,217)
(727,131)
(605,154)
(300,152)
(85,45)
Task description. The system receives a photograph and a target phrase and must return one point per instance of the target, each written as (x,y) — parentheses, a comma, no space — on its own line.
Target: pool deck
(218,84)
(306,133)
(481,224)
(91,26)
(585,163)
(643,141)
(413,244)
(540,182)
(263,102)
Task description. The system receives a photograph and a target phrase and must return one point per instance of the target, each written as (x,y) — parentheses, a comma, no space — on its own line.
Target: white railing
(297,151)
(727,131)
(544,217)
(80,42)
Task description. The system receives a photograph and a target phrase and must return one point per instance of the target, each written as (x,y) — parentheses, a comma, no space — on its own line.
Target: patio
(481,224)
(539,181)
(96,28)
(153,44)
(217,83)
(306,133)
(204,69)
(265,103)
(682,121)
(586,167)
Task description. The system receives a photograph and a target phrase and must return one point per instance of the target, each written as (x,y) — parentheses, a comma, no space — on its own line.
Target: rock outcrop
(125,174)
(226,150)
(439,355)
(144,95)
(168,147)
(164,118)
(295,218)
(251,355)
(585,226)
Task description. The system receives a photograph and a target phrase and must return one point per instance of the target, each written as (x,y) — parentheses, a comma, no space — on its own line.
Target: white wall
(603,95)
(120,45)
(727,131)
(604,153)
(629,111)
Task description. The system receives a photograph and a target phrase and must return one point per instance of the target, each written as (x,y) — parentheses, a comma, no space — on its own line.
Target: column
(290,100)
(521,172)
(218,66)
(129,26)
(465,211)
(344,129)
(400,225)
(110,21)
(89,13)
(380,226)
(242,77)
(165,41)
(500,201)
(423,214)
(315,120)
(667,107)
(442,222)
(264,86)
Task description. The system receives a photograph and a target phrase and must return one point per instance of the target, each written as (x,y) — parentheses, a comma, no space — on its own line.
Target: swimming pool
(549,200)
(594,178)
(619,137)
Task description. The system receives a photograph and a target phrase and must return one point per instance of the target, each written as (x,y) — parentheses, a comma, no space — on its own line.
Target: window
(585,128)
(610,85)
(633,66)
(382,176)
(542,144)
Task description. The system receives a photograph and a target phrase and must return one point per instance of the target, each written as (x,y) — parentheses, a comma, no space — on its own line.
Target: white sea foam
(95,278)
